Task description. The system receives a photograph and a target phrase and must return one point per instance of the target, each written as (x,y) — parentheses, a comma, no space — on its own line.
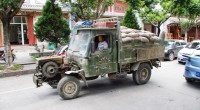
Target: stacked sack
(133,35)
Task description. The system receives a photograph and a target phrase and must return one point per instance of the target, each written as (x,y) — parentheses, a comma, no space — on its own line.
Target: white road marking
(11,91)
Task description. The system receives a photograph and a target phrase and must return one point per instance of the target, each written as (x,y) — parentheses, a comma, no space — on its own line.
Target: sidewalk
(28,69)
(22,58)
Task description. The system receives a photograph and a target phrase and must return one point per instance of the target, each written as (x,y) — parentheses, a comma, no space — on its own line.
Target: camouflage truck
(129,52)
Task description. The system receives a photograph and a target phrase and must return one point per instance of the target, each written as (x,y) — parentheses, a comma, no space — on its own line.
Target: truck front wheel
(68,87)
(143,74)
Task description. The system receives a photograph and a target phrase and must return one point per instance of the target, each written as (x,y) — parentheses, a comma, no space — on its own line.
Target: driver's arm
(105,45)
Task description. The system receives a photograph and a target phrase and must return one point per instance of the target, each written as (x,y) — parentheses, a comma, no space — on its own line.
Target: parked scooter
(2,55)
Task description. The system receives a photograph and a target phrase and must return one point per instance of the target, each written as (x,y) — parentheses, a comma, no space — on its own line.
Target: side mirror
(93,47)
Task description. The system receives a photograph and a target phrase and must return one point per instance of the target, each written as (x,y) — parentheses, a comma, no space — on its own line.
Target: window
(102,42)
(177,44)
(19,19)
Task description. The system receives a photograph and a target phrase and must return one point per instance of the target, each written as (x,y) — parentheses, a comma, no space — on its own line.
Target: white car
(184,53)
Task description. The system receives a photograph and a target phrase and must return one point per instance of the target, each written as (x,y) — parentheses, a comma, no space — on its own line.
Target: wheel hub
(144,74)
(51,70)
(70,88)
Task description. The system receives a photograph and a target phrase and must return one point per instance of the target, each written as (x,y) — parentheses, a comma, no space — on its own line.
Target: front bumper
(191,71)
(37,79)
(182,58)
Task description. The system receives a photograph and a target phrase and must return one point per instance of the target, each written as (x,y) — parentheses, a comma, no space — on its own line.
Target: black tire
(68,87)
(50,69)
(142,75)
(189,80)
(171,56)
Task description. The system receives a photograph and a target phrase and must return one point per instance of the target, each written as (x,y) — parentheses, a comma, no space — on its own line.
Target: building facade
(22,24)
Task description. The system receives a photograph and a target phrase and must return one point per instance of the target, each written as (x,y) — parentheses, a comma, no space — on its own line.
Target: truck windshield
(79,42)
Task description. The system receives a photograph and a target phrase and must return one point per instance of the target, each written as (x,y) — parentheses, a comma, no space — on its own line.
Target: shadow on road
(106,85)
(195,85)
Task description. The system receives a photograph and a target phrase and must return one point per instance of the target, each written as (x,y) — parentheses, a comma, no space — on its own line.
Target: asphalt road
(166,90)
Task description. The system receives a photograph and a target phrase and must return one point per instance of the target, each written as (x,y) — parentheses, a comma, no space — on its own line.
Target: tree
(152,11)
(130,20)
(88,9)
(156,15)
(8,9)
(188,9)
(186,26)
(52,26)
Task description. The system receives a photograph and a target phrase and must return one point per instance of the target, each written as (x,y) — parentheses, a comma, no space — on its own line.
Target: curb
(17,73)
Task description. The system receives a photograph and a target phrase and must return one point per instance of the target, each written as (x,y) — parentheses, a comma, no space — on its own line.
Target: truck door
(103,57)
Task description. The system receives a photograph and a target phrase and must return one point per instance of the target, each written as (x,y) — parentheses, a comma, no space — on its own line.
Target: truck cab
(84,54)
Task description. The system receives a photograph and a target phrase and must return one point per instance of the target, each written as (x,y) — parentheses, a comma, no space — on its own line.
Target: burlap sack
(135,31)
(133,35)
(144,39)
(127,40)
(155,39)
(126,30)
(144,34)
(123,35)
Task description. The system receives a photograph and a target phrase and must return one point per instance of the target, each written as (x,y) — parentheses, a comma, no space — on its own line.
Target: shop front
(175,32)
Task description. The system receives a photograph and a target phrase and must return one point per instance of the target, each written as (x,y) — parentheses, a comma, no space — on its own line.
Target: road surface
(166,90)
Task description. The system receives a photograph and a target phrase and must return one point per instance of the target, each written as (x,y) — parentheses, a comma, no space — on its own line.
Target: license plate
(184,59)
(198,74)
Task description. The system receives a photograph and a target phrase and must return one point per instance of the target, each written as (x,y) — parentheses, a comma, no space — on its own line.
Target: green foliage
(8,8)
(187,25)
(36,56)
(2,67)
(151,11)
(13,68)
(130,20)
(184,8)
(52,26)
(16,67)
(87,9)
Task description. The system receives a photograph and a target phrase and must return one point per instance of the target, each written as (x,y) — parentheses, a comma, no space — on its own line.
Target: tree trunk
(158,27)
(185,36)
(7,47)
(158,33)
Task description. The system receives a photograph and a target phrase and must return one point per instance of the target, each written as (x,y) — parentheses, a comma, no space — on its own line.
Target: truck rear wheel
(68,87)
(142,75)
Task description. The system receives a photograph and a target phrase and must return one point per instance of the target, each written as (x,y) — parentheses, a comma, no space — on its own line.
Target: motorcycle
(2,55)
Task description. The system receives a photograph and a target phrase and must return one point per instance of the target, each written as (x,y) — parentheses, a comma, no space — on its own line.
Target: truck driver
(102,44)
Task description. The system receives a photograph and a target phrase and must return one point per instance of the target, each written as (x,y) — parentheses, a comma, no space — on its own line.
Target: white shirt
(102,45)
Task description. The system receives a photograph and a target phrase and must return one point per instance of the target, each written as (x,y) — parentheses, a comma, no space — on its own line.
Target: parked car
(172,47)
(192,67)
(187,51)
(61,50)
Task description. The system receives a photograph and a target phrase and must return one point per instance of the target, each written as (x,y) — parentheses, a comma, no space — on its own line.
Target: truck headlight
(166,51)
